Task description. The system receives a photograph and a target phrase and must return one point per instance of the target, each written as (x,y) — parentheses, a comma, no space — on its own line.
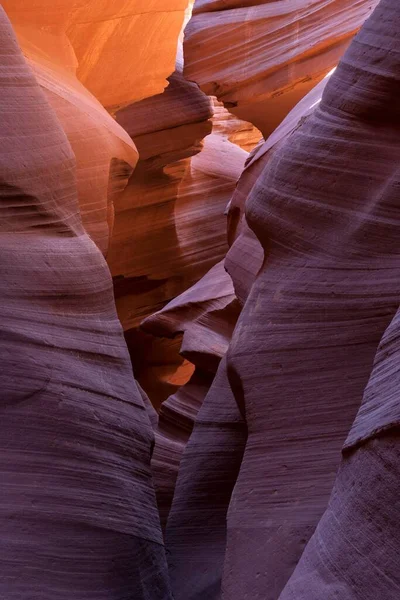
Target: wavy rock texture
(105,154)
(175,202)
(73,45)
(354,551)
(196,528)
(93,38)
(75,438)
(245,256)
(149,267)
(326,213)
(261,57)
(205,315)
(239,132)
(211,460)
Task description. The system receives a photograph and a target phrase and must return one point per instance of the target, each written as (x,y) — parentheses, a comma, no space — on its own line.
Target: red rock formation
(238,132)
(206,315)
(175,204)
(313,263)
(98,40)
(70,44)
(104,153)
(77,509)
(300,454)
(261,57)
(149,267)
(326,213)
(183,199)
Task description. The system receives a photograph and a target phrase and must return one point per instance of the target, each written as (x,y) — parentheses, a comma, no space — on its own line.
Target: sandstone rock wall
(297,410)
(78,52)
(260,57)
(170,225)
(258,301)
(302,350)
(205,315)
(78,515)
(122,51)
(196,531)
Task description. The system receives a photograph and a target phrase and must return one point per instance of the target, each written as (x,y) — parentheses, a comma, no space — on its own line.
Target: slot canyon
(199,316)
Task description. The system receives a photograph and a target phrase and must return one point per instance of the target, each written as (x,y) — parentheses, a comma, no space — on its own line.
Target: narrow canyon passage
(199,289)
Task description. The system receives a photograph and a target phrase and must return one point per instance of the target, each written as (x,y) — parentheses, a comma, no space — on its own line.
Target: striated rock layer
(149,266)
(211,460)
(354,551)
(77,510)
(261,57)
(327,215)
(196,532)
(326,256)
(105,155)
(175,200)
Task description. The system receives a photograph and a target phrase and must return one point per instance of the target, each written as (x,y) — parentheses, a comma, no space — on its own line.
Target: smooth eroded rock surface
(261,57)
(122,51)
(78,515)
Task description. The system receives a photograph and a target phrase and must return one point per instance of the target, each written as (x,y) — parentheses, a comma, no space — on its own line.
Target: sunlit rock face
(170,226)
(242,133)
(77,50)
(148,267)
(122,51)
(78,514)
(104,152)
(260,57)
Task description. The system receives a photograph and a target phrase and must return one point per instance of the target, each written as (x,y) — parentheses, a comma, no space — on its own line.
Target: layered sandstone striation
(105,154)
(253,291)
(209,464)
(354,549)
(148,267)
(260,57)
(78,513)
(317,272)
(302,350)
